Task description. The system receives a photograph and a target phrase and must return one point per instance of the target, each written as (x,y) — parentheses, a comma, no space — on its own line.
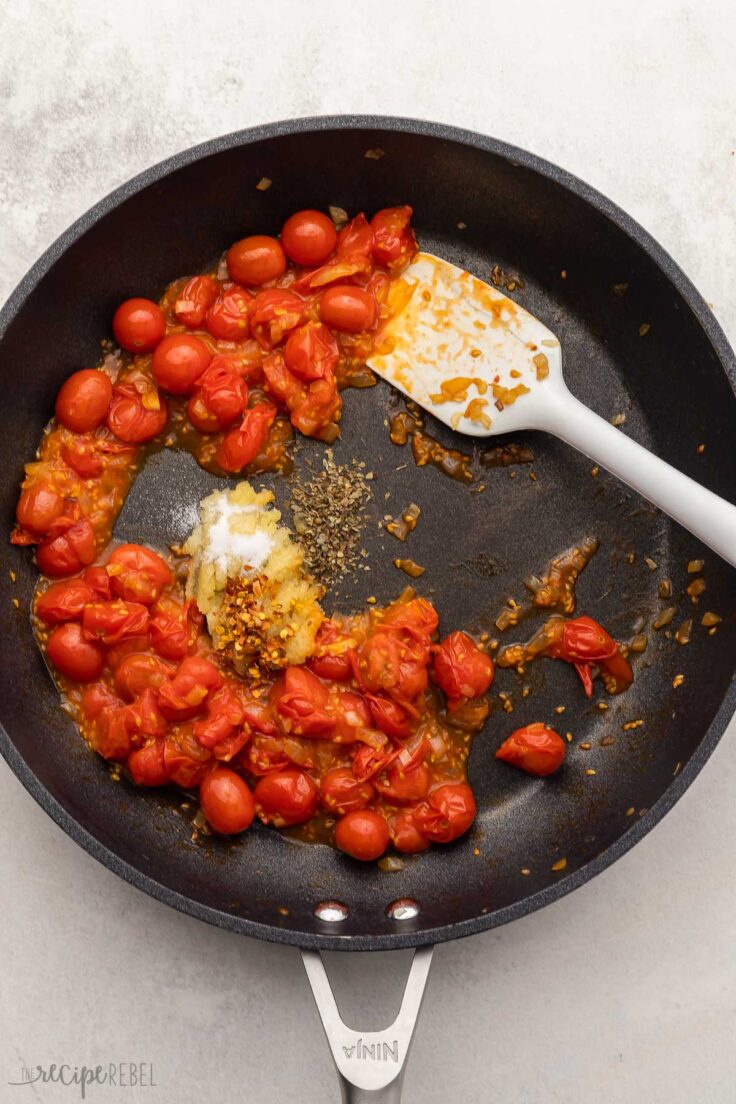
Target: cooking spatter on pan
(355,729)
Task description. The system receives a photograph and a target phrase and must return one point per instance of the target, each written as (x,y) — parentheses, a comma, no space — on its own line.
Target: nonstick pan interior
(477,203)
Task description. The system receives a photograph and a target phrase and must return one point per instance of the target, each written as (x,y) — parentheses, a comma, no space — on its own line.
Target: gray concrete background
(626,990)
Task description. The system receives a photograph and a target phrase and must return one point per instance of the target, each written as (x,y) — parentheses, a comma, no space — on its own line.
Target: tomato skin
(242,444)
(130,420)
(335,666)
(97,697)
(286,797)
(82,402)
(97,578)
(220,398)
(195,299)
(273,313)
(184,696)
(341,792)
(348,309)
(394,663)
(147,765)
(73,655)
(535,749)
(350,715)
(38,508)
(69,552)
(226,802)
(138,325)
(405,835)
(169,630)
(460,668)
(114,622)
(140,671)
(355,242)
(311,352)
(403,787)
(138,574)
(308,237)
(64,601)
(256,260)
(362,834)
(585,643)
(389,716)
(300,700)
(224,713)
(186,762)
(227,318)
(394,243)
(447,813)
(178,362)
(80,454)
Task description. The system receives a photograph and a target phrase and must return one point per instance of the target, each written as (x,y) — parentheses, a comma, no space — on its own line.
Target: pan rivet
(403,909)
(331,911)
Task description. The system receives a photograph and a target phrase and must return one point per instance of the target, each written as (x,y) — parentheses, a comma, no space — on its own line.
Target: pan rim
(715,336)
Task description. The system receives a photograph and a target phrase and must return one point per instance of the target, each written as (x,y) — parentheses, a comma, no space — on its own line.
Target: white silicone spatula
(483,365)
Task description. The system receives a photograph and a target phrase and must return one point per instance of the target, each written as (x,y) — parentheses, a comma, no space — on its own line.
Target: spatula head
(464,351)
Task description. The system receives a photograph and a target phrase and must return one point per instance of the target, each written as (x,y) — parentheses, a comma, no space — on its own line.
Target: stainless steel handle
(370,1064)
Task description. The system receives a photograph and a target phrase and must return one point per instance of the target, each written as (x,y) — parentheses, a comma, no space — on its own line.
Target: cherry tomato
(332,657)
(259,715)
(403,787)
(282,384)
(227,318)
(38,508)
(447,813)
(169,630)
(140,671)
(178,362)
(585,643)
(147,765)
(143,717)
(69,552)
(308,238)
(300,700)
(82,457)
(417,617)
(351,716)
(97,697)
(460,668)
(405,835)
(73,655)
(256,260)
(226,802)
(389,716)
(362,834)
(186,762)
(348,309)
(82,402)
(97,578)
(220,398)
(369,761)
(135,417)
(224,714)
(341,792)
(184,696)
(286,797)
(195,299)
(138,574)
(242,444)
(355,242)
(394,663)
(113,622)
(311,352)
(138,325)
(64,601)
(394,243)
(273,313)
(535,748)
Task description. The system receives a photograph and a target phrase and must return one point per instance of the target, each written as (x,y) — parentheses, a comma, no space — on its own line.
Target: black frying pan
(676,388)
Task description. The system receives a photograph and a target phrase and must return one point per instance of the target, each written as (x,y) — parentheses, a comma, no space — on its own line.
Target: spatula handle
(710,518)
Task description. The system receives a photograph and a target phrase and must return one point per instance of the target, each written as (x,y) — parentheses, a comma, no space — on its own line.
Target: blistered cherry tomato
(178,362)
(333,650)
(460,668)
(136,418)
(38,508)
(195,299)
(286,797)
(138,574)
(64,601)
(185,695)
(341,792)
(273,313)
(348,309)
(69,552)
(400,786)
(405,835)
(82,457)
(73,655)
(389,716)
(355,242)
(138,325)
(186,762)
(447,813)
(169,629)
(311,352)
(140,671)
(242,443)
(113,622)
(227,318)
(256,260)
(82,402)
(147,765)
(99,580)
(226,801)
(535,748)
(300,698)
(308,238)
(362,834)
(220,398)
(394,243)
(585,643)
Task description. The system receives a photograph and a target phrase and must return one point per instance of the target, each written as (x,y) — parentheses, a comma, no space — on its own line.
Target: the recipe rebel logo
(120,1075)
(376,1052)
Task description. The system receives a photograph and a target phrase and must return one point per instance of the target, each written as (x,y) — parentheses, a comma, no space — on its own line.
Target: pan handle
(370,1064)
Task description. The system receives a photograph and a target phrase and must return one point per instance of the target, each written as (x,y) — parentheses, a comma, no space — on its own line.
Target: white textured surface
(626,990)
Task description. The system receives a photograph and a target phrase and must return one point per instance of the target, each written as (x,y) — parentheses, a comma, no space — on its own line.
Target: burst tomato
(311,352)
(220,398)
(394,243)
(184,696)
(140,671)
(138,574)
(341,792)
(227,318)
(169,629)
(273,314)
(286,797)
(242,444)
(389,716)
(300,700)
(64,601)
(224,715)
(38,508)
(195,299)
(460,668)
(332,658)
(447,813)
(405,834)
(147,765)
(114,622)
(69,551)
(136,417)
(535,748)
